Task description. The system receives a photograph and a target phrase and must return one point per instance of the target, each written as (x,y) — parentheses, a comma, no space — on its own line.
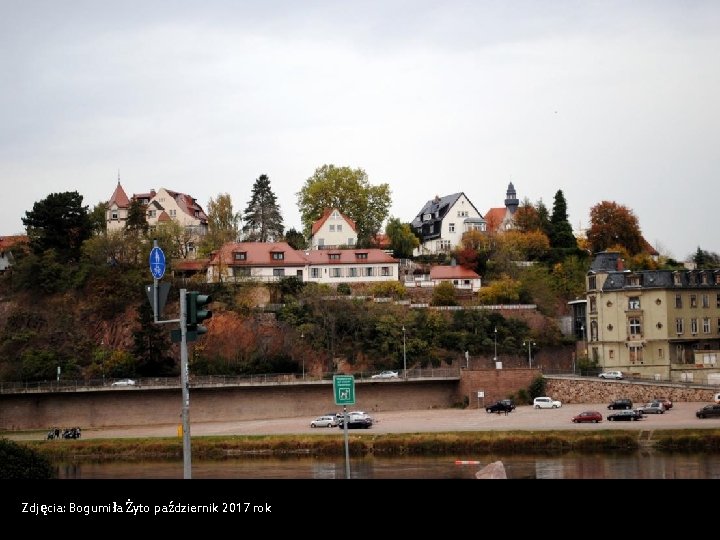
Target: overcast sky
(604,100)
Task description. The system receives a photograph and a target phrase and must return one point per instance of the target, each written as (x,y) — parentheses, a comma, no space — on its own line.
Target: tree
(98,224)
(402,238)
(613,224)
(348,191)
(706,259)
(137,218)
(223,224)
(526,218)
(59,222)
(562,236)
(295,239)
(151,346)
(263,221)
(444,294)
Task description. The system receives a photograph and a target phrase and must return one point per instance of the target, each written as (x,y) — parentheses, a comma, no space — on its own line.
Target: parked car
(654,407)
(508,403)
(356,420)
(624,415)
(665,401)
(620,404)
(124,382)
(587,416)
(611,375)
(500,407)
(709,411)
(546,403)
(716,398)
(385,375)
(324,421)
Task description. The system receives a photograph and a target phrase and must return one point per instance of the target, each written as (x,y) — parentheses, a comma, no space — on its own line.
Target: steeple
(511,200)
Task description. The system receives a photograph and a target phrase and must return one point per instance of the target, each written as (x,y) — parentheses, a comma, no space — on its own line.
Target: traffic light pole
(185,381)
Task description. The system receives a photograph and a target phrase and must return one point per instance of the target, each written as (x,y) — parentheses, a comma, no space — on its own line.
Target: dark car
(500,407)
(624,415)
(620,404)
(709,411)
(587,416)
(508,403)
(356,420)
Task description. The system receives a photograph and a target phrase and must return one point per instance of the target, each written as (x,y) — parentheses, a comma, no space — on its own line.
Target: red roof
(190,265)
(257,254)
(119,197)
(326,214)
(452,272)
(6,242)
(348,256)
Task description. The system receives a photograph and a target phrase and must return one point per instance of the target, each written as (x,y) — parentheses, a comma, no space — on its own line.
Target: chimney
(620,266)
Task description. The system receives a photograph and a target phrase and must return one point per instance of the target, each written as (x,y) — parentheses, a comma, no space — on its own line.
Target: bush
(18,462)
(537,388)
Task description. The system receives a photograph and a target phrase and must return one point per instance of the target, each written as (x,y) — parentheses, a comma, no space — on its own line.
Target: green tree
(444,294)
(223,224)
(612,224)
(137,218)
(706,259)
(543,217)
(295,239)
(151,346)
(263,221)
(402,238)
(562,236)
(59,222)
(98,224)
(20,462)
(348,191)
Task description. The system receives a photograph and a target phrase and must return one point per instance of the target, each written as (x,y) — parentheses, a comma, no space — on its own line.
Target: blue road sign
(157,263)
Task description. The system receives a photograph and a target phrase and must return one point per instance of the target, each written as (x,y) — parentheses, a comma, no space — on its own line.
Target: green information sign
(344,389)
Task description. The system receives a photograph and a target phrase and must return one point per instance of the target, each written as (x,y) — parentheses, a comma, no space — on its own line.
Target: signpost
(344,391)
(157,262)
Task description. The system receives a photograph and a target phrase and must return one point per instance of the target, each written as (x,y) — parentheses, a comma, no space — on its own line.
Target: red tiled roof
(452,272)
(6,242)
(119,197)
(326,214)
(257,254)
(348,256)
(191,265)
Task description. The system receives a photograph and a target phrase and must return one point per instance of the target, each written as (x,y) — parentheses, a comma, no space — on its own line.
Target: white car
(124,382)
(612,375)
(546,403)
(324,421)
(385,375)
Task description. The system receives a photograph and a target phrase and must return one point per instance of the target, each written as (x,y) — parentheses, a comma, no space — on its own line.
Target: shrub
(18,462)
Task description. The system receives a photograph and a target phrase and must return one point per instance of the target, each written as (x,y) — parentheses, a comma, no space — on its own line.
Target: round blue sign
(157,263)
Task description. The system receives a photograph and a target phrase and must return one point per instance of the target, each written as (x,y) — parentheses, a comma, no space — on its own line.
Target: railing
(206,381)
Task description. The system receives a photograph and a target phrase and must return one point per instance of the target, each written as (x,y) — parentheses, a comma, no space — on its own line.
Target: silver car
(324,421)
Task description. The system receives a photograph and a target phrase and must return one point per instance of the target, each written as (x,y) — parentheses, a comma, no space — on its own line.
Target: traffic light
(195,312)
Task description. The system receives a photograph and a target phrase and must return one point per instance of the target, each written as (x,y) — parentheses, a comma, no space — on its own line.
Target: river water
(638,465)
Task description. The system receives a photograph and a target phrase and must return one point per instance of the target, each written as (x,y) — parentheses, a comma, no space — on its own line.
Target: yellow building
(655,324)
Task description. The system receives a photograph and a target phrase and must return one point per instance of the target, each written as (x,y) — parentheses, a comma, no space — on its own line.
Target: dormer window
(334,256)
(361,255)
(676,279)
(240,255)
(633,281)
(277,255)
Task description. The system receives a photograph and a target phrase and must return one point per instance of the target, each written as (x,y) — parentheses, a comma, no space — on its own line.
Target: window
(361,255)
(593,331)
(693,326)
(385,271)
(462,213)
(332,228)
(633,281)
(368,271)
(676,279)
(717,300)
(427,217)
(151,213)
(593,304)
(339,227)
(335,215)
(635,354)
(173,213)
(634,326)
(611,353)
(443,245)
(241,271)
(706,325)
(592,282)
(451,227)
(660,353)
(634,302)
(315,273)
(678,301)
(277,255)
(705,300)
(352,272)
(704,278)
(278,272)
(679,326)
(335,272)
(240,255)
(693,300)
(321,242)
(334,256)
(351,241)
(114,214)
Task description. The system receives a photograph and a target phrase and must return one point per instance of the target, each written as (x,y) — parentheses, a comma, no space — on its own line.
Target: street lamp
(530,344)
(404,355)
(302,336)
(495,357)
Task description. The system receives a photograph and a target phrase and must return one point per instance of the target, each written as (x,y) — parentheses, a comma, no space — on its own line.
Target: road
(524,418)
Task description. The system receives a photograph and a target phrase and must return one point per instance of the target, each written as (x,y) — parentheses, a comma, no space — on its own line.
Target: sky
(604,100)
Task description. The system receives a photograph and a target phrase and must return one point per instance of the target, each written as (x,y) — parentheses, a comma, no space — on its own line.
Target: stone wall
(578,390)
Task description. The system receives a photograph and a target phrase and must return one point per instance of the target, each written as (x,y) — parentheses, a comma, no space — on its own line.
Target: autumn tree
(402,238)
(59,222)
(526,218)
(263,220)
(612,224)
(348,191)
(561,235)
(223,224)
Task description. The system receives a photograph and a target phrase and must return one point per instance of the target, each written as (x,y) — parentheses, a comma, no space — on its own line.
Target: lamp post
(530,344)
(495,357)
(404,355)
(302,336)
